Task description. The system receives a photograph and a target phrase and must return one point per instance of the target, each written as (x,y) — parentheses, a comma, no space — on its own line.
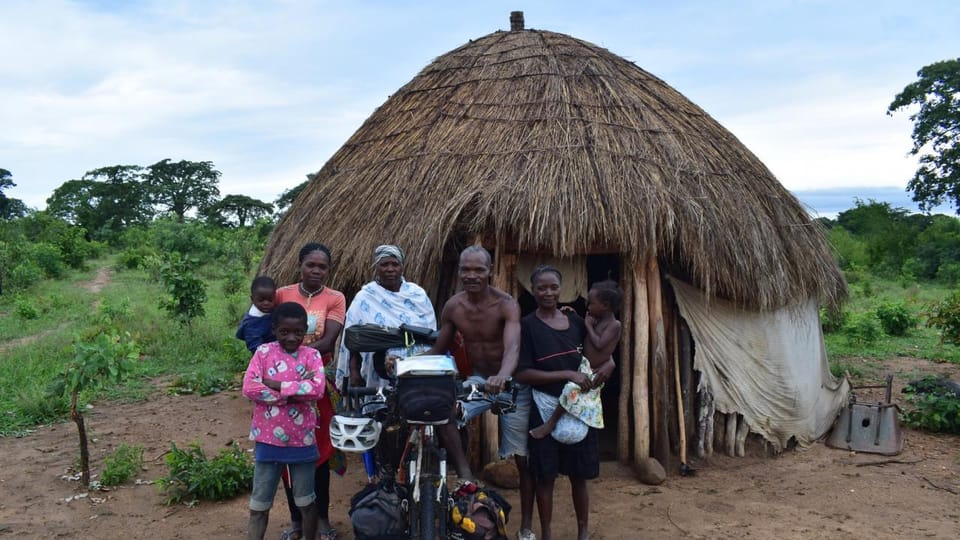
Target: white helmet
(354,433)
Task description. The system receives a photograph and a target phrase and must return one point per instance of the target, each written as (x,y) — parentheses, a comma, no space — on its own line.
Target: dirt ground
(817,493)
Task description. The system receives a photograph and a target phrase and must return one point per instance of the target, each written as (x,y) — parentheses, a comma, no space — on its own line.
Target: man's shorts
(513,426)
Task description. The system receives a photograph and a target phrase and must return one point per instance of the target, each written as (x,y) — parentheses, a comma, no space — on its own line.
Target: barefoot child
(256,327)
(284,380)
(603,334)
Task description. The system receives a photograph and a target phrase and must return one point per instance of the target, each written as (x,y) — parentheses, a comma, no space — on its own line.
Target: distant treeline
(892,242)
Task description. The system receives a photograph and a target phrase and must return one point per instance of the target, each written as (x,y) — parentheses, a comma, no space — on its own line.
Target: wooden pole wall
(503,279)
(657,366)
(626,363)
(687,383)
(641,363)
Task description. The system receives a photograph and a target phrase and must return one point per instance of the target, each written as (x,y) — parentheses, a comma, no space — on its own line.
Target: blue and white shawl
(377,305)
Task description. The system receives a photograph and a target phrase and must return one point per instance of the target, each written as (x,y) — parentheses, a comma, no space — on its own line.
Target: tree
(105,200)
(244,209)
(287,197)
(9,207)
(181,186)
(936,133)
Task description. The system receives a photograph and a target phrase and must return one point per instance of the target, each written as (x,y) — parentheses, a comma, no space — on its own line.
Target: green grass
(921,342)
(205,351)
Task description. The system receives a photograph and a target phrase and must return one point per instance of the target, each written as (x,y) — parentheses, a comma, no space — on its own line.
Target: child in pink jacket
(284,380)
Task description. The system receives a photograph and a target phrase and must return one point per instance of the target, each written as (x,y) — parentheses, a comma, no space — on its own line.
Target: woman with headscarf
(388,300)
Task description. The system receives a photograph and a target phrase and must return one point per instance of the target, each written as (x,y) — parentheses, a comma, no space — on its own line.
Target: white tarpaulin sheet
(771,367)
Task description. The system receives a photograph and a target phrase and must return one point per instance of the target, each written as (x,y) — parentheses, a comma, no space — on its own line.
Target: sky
(269,90)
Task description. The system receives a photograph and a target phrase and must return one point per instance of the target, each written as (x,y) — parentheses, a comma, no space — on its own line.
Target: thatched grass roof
(560,146)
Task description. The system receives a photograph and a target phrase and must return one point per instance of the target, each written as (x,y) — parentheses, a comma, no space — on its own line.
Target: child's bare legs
(257,524)
(547,427)
(581,506)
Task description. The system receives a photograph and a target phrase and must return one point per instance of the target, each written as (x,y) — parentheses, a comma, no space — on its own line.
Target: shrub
(934,406)
(200,382)
(945,316)
(186,291)
(134,257)
(832,320)
(895,319)
(49,259)
(192,477)
(27,308)
(124,463)
(863,329)
(23,275)
(234,283)
(949,273)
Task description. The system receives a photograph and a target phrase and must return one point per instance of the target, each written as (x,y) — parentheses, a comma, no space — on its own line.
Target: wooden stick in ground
(626,364)
(641,363)
(681,419)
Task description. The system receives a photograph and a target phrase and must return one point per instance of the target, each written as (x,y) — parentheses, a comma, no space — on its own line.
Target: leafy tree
(241,208)
(105,359)
(9,207)
(889,234)
(105,201)
(181,186)
(287,197)
(936,133)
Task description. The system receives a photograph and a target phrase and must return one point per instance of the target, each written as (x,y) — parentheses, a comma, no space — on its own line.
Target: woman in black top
(550,353)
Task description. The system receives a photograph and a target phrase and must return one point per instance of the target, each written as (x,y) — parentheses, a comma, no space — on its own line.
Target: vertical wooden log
(491,437)
(742,432)
(659,389)
(730,435)
(626,363)
(705,424)
(674,418)
(687,380)
(641,364)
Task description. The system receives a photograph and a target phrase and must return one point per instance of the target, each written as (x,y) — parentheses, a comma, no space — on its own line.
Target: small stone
(650,472)
(502,473)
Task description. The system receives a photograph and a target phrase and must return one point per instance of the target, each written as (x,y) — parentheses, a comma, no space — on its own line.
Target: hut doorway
(599,267)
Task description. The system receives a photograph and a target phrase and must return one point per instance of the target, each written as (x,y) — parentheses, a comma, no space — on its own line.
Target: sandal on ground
(329,534)
(526,534)
(293,533)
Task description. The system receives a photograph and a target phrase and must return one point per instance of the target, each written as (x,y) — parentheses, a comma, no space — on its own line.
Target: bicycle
(422,394)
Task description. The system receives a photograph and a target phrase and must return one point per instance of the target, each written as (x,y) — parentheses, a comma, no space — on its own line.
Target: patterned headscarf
(387,250)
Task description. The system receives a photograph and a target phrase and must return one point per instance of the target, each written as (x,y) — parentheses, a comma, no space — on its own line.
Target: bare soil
(817,493)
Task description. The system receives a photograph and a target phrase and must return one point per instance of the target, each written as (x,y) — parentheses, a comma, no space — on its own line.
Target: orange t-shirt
(327,304)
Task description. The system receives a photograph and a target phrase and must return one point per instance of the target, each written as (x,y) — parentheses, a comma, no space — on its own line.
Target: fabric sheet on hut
(574,270)
(769,366)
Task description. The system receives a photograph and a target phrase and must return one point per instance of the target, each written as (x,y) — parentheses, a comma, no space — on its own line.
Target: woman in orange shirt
(326,310)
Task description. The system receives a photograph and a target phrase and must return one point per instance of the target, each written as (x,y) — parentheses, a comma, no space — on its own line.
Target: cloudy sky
(268,90)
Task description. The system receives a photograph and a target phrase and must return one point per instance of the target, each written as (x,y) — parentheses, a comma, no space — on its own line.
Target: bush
(124,463)
(945,316)
(49,259)
(832,320)
(863,329)
(201,382)
(192,477)
(23,275)
(135,257)
(186,291)
(27,308)
(895,319)
(935,407)
(949,273)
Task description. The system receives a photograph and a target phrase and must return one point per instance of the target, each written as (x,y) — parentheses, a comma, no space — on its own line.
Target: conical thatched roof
(560,146)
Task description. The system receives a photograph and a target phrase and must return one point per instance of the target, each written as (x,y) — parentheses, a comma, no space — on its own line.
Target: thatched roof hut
(564,147)
(531,141)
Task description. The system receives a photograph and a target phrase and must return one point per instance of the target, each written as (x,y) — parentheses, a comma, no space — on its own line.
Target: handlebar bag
(426,388)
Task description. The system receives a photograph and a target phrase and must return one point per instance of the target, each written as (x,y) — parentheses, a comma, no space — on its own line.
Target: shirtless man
(489,321)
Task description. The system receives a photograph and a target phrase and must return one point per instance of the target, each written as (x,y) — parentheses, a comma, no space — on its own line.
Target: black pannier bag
(377,512)
(426,388)
(372,338)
